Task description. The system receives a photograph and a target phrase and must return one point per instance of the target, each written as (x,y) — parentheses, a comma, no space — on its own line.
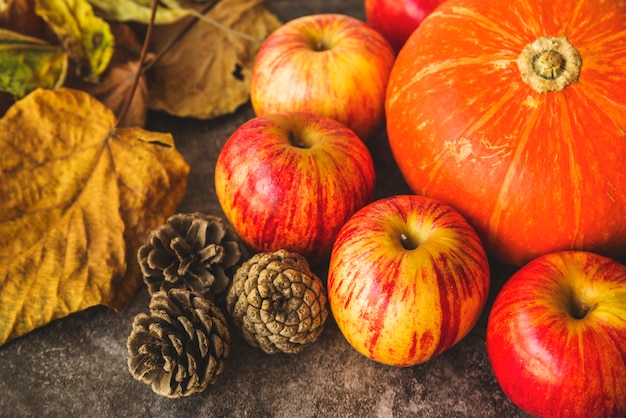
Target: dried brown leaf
(20,16)
(206,72)
(79,198)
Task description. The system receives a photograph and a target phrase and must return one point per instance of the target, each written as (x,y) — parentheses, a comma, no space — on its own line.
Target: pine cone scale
(255,299)
(212,254)
(289,331)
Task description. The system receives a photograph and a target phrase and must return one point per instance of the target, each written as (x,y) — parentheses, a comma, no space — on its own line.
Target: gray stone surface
(76,366)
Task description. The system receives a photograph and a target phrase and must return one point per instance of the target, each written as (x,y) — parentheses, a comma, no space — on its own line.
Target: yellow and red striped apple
(291,180)
(330,64)
(556,336)
(408,279)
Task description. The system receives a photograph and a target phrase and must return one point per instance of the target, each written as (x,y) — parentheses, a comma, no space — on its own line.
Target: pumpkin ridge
(448,149)
(494,110)
(573,21)
(615,111)
(575,173)
(500,203)
(603,26)
(607,40)
(484,23)
(494,60)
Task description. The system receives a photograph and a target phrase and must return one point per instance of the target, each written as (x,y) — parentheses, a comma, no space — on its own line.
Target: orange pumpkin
(514,113)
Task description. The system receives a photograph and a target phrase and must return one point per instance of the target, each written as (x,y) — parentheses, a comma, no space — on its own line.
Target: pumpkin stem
(549,64)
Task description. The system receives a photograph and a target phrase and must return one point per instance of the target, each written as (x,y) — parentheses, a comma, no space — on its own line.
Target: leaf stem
(225,28)
(178,36)
(142,59)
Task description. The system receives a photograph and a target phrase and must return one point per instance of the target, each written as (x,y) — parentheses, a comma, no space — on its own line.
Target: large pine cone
(180,348)
(277,302)
(191,251)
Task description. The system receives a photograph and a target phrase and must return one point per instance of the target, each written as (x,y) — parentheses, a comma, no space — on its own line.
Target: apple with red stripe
(330,64)
(408,279)
(291,180)
(556,336)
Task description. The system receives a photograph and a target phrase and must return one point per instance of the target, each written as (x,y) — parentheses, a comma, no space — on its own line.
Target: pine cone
(191,251)
(277,302)
(180,348)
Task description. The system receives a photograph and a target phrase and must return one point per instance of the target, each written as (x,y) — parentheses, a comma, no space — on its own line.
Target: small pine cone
(180,348)
(277,302)
(191,251)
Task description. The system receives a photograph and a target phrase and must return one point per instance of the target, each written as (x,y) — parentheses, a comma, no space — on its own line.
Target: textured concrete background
(77,366)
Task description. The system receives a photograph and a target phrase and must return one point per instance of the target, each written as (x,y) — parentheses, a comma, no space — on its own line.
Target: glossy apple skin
(278,195)
(330,64)
(400,306)
(548,362)
(397,19)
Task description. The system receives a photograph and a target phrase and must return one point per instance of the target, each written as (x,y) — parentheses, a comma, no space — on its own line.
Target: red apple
(330,64)
(408,279)
(397,19)
(290,181)
(556,336)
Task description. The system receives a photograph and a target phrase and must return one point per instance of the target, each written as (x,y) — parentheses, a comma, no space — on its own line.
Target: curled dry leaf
(116,88)
(79,198)
(206,71)
(86,37)
(27,63)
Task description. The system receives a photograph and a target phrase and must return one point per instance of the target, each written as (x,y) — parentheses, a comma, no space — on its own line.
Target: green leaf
(86,37)
(27,63)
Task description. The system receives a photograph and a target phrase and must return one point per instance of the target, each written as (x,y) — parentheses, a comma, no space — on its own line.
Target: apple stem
(319,43)
(406,242)
(320,46)
(295,141)
(580,310)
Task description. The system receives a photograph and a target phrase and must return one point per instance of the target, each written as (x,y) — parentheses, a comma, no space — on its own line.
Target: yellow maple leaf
(206,72)
(79,197)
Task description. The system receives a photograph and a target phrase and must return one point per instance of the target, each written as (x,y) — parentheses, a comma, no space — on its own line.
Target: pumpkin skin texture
(533,172)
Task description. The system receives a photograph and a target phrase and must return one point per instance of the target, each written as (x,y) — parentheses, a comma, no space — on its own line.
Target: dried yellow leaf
(206,73)
(79,197)
(139,11)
